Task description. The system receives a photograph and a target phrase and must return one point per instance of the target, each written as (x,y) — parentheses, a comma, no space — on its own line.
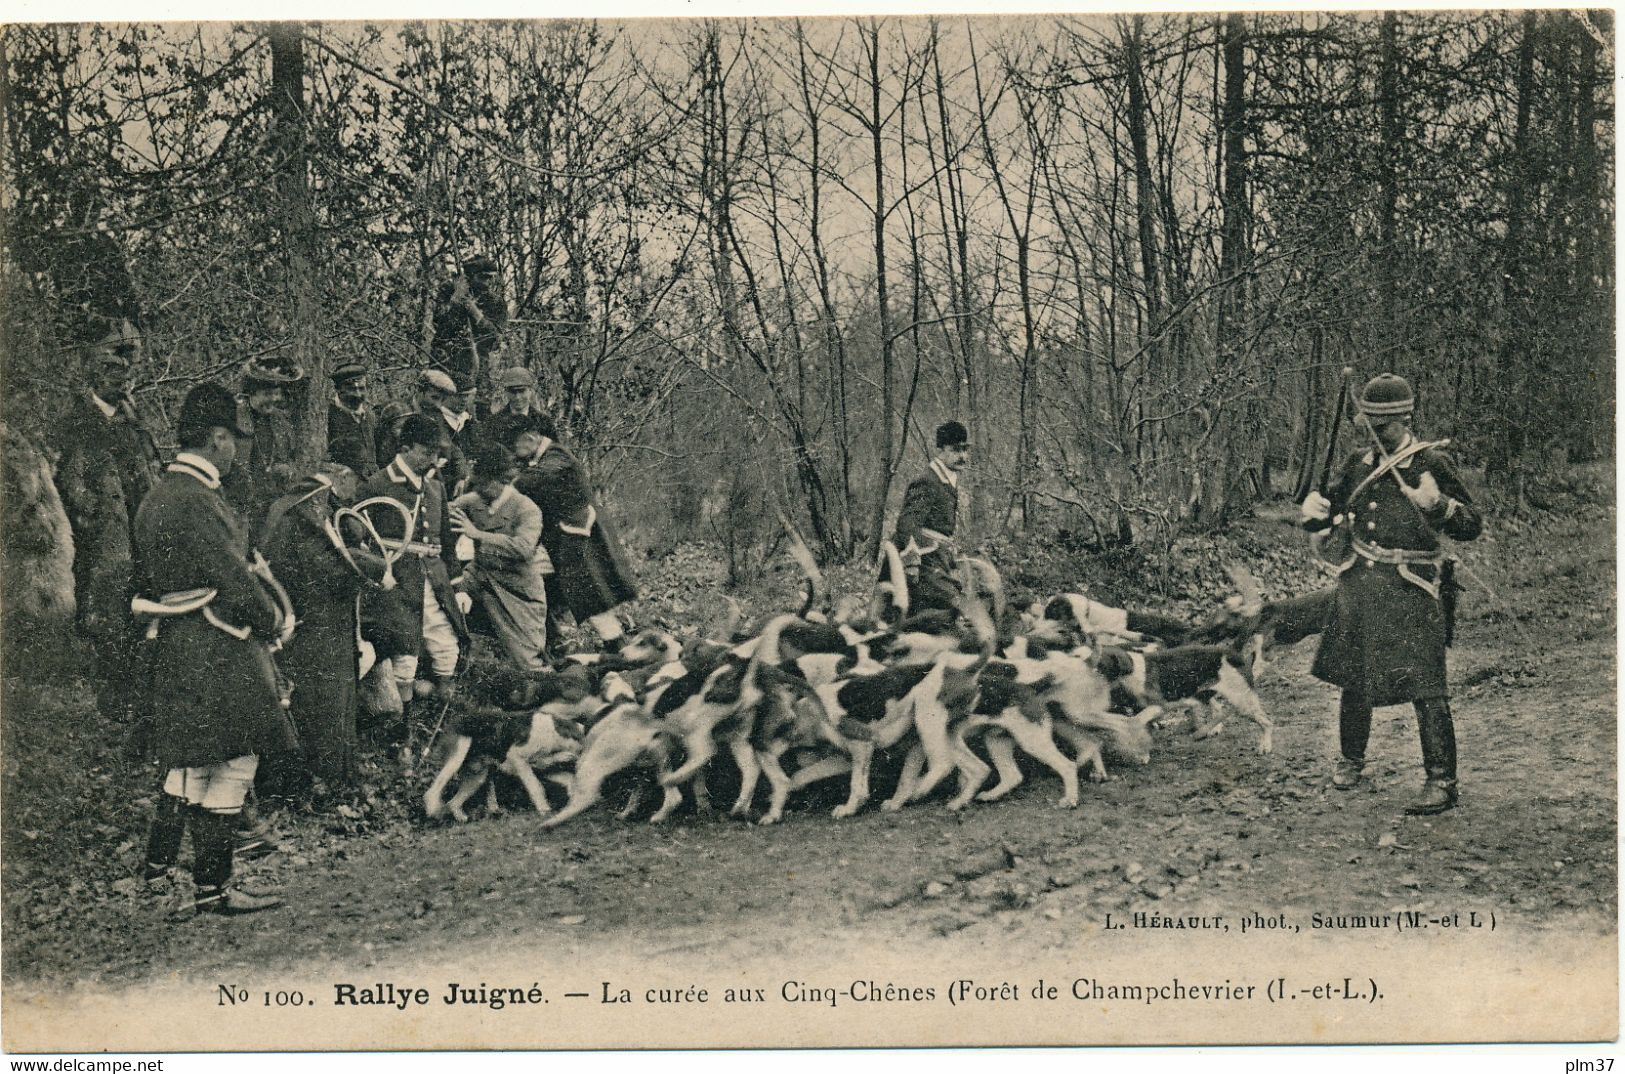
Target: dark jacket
(461,442)
(590,573)
(394,618)
(352,439)
(321,661)
(108,466)
(1386,639)
(263,470)
(929,514)
(497,427)
(215,695)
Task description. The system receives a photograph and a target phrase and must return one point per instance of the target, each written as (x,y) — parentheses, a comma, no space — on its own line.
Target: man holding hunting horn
(1390,503)
(215,617)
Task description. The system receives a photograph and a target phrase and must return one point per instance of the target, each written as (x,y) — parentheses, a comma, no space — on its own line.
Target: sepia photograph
(823,530)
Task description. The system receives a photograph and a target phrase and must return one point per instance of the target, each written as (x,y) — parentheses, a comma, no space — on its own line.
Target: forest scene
(753,266)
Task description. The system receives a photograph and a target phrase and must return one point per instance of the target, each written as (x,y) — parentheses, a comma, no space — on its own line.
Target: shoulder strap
(1415,447)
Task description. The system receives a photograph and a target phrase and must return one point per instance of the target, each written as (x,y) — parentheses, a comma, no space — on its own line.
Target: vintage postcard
(950,530)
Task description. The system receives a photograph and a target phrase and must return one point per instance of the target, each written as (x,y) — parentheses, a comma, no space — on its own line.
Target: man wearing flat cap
(439,398)
(515,403)
(924,534)
(109,463)
(217,707)
(267,463)
(352,427)
(1395,592)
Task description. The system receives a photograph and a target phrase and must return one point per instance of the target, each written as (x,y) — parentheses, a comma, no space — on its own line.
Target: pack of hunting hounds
(1066,684)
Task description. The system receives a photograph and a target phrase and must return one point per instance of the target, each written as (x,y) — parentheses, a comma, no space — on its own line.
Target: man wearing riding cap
(216,703)
(352,428)
(924,535)
(267,460)
(515,402)
(1386,642)
(422,610)
(110,462)
(438,398)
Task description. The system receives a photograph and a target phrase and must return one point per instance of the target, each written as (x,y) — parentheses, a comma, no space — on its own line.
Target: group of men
(496,529)
(190,575)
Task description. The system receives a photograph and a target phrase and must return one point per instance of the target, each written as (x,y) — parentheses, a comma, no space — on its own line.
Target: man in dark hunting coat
(322,660)
(422,610)
(109,463)
(924,535)
(352,427)
(590,574)
(1395,594)
(214,693)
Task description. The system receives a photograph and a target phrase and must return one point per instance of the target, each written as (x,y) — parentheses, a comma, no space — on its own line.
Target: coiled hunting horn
(357,513)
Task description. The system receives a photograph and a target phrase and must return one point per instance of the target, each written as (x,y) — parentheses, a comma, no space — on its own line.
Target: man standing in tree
(470,315)
(924,535)
(1395,594)
(216,704)
(109,463)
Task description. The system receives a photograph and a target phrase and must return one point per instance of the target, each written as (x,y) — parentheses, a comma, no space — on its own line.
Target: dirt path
(1209,827)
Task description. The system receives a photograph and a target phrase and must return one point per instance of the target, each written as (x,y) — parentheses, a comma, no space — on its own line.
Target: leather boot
(251,831)
(1353,732)
(164,841)
(213,837)
(1438,734)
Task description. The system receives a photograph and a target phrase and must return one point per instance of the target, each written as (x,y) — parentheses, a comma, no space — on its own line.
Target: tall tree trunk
(1238,418)
(834,338)
(1020,221)
(1593,417)
(1506,453)
(1233,248)
(888,406)
(1145,202)
(1388,164)
(291,148)
(956,243)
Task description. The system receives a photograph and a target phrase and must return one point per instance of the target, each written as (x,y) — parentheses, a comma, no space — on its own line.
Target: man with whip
(1383,513)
